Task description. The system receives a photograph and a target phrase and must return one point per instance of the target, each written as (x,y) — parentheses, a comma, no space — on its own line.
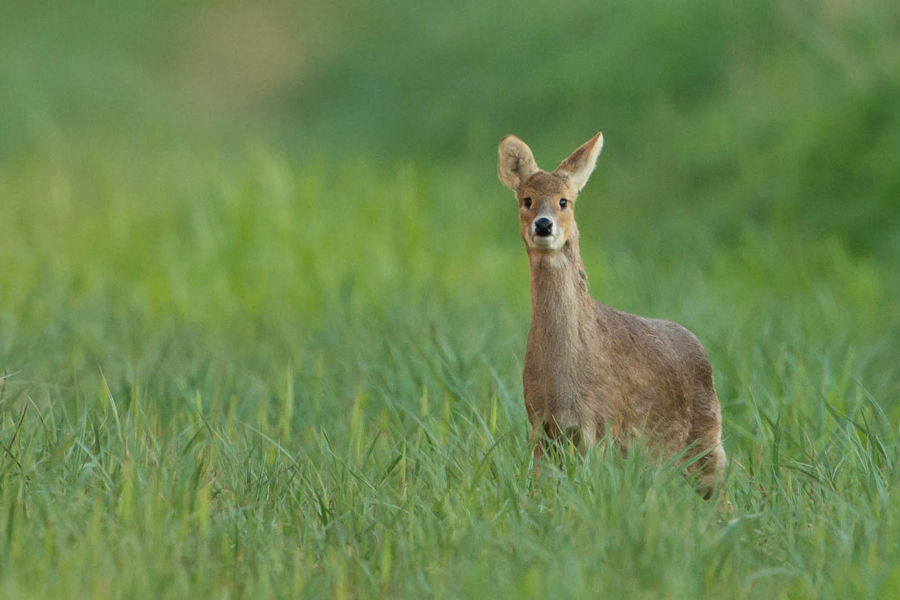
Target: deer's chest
(559,374)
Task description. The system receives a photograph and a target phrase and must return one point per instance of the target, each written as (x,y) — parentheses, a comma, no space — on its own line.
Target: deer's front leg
(538,442)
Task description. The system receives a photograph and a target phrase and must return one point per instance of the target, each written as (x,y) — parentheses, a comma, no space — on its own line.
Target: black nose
(543,227)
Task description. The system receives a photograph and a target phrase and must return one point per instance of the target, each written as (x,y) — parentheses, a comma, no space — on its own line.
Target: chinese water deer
(591,370)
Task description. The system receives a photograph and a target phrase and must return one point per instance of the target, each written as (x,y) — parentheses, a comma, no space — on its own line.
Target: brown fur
(590,369)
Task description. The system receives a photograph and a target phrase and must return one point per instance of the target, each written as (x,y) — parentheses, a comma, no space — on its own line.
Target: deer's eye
(526,202)
(563,203)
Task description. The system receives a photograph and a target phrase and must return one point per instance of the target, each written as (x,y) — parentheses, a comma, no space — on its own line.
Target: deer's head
(546,200)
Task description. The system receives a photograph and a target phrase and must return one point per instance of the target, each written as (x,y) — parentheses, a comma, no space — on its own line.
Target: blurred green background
(253,257)
(784,110)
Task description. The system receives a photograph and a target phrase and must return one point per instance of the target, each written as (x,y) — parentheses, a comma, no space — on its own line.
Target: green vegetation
(263,303)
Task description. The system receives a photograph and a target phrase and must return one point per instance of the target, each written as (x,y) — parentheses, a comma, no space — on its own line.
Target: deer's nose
(543,227)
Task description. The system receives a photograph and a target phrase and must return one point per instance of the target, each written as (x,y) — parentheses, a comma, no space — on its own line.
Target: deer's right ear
(580,164)
(516,162)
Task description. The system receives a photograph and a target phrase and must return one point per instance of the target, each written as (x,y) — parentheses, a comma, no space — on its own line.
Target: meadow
(263,301)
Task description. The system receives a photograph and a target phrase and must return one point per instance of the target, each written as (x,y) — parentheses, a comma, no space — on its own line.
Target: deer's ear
(516,162)
(580,164)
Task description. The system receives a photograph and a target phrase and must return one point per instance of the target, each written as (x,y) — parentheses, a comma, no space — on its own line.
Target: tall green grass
(249,383)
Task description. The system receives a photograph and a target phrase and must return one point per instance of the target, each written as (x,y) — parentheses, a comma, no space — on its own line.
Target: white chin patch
(545,243)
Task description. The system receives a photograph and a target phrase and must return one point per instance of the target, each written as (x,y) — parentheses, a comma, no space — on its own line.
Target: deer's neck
(562,311)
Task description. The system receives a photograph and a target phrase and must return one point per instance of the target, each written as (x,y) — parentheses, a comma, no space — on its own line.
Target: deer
(591,371)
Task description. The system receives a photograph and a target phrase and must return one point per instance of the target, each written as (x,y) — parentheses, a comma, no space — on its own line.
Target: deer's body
(590,369)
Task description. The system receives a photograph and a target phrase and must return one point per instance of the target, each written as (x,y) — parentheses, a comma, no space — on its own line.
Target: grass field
(262,335)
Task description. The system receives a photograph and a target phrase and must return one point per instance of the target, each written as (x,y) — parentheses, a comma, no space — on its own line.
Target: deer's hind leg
(706,439)
(709,469)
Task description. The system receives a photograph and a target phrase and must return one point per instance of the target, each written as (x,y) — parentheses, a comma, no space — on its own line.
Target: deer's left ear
(580,164)
(516,162)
